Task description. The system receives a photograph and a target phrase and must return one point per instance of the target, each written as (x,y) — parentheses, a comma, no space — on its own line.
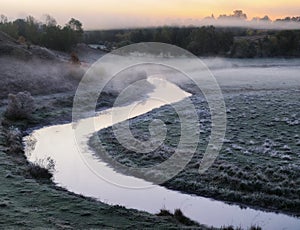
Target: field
(259,164)
(26,200)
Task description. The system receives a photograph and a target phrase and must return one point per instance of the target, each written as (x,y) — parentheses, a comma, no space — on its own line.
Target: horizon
(135,14)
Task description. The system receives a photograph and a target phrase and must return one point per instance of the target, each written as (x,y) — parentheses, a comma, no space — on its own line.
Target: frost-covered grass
(28,199)
(259,164)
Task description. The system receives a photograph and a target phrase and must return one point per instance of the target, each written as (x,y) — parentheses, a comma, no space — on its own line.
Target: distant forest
(232,42)
(208,40)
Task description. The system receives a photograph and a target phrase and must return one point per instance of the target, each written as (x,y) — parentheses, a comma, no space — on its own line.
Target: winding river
(75,165)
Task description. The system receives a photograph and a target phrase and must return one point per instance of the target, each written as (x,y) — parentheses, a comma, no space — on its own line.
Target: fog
(37,76)
(256,24)
(255,73)
(118,73)
(115,21)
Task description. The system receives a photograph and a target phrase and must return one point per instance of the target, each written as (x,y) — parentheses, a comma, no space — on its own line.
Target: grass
(28,199)
(178,215)
(26,202)
(38,172)
(238,228)
(259,164)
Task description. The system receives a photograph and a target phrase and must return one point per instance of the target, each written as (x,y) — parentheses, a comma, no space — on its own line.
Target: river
(75,165)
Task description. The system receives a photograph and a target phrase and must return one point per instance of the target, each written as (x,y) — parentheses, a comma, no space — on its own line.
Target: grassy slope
(27,203)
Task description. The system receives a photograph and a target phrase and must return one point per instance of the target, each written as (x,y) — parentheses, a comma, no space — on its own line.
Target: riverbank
(76,160)
(27,202)
(258,165)
(53,106)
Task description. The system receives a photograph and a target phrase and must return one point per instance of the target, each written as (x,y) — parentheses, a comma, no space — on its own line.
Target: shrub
(39,172)
(14,141)
(42,169)
(164,212)
(255,228)
(178,215)
(20,106)
(182,218)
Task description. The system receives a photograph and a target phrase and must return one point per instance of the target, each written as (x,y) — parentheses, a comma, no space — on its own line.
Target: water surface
(80,171)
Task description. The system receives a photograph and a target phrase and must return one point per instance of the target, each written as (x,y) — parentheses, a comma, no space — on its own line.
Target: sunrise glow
(117,13)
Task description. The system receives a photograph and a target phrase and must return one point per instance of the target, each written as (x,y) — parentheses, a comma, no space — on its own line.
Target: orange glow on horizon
(104,13)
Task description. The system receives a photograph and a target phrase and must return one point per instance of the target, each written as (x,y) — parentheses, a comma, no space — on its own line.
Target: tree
(75,25)
(265,19)
(166,34)
(31,30)
(10,28)
(288,19)
(203,41)
(74,31)
(49,20)
(287,42)
(295,19)
(48,34)
(255,19)
(239,14)
(21,26)
(3,19)
(137,36)
(243,49)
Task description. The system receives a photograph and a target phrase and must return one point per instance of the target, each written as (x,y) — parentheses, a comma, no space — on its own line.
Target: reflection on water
(75,170)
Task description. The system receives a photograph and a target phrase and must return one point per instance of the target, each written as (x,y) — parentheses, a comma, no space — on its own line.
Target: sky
(106,14)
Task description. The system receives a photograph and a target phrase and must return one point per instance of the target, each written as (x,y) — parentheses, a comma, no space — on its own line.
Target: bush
(20,106)
(178,215)
(42,169)
(39,172)
(164,212)
(14,141)
(182,218)
(255,228)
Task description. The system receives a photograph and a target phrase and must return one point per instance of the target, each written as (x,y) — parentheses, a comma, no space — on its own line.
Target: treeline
(284,43)
(200,41)
(240,15)
(208,41)
(48,34)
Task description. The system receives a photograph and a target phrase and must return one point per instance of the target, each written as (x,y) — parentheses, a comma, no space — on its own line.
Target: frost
(286,147)
(285,157)
(236,147)
(251,142)
(246,152)
(292,123)
(20,106)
